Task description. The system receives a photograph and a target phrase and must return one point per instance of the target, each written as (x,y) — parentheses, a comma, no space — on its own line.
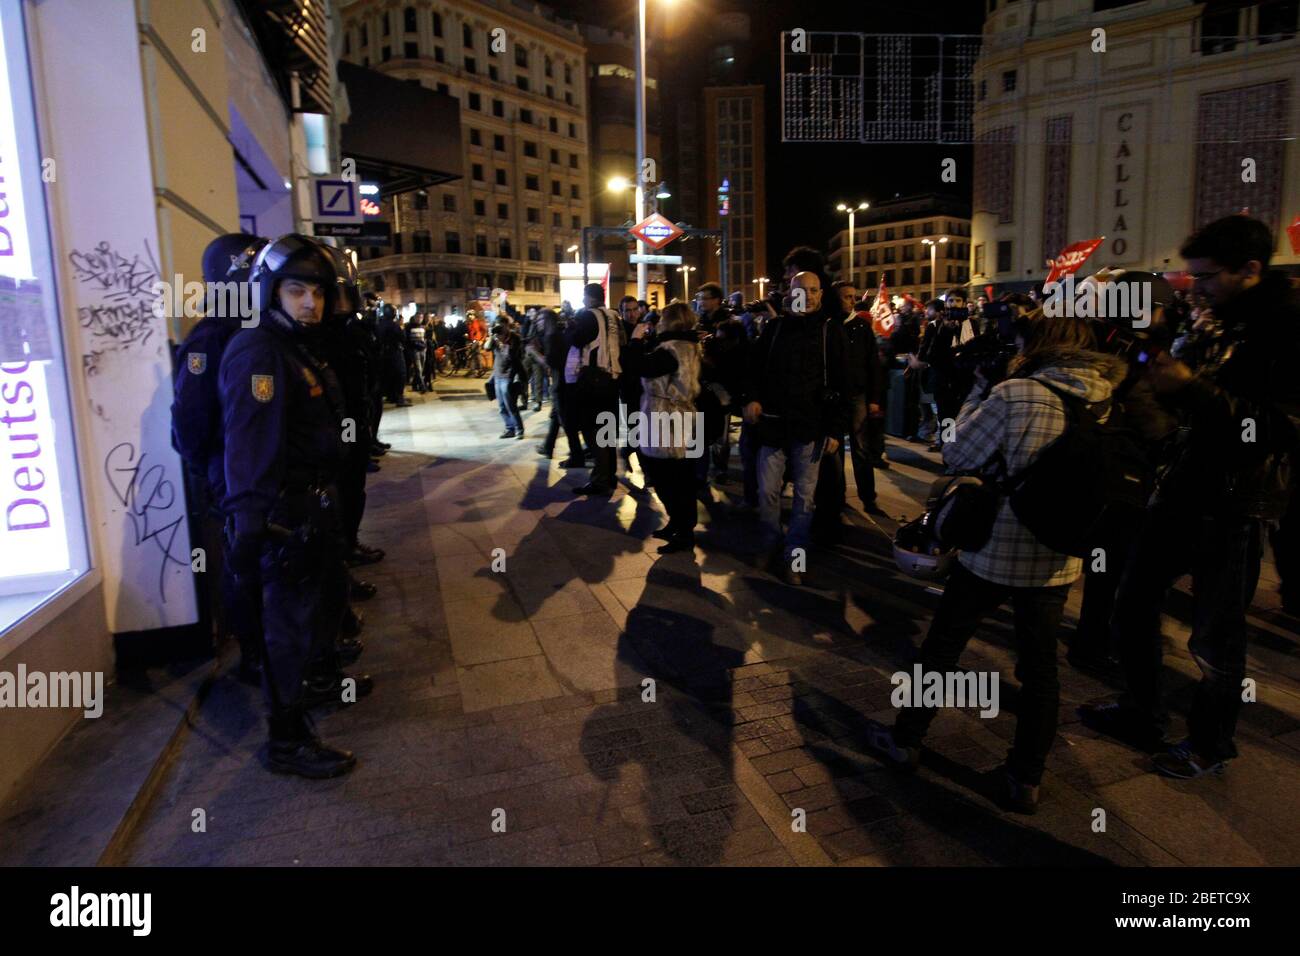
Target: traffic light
(654,298)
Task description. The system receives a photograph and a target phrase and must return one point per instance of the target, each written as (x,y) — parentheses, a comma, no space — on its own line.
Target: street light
(851,210)
(934,248)
(574,249)
(686,280)
(762,282)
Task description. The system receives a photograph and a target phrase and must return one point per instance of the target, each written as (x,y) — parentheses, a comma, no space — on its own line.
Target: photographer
(1227,483)
(1008,429)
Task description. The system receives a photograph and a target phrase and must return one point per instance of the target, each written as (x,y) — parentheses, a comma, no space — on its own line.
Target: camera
(987,354)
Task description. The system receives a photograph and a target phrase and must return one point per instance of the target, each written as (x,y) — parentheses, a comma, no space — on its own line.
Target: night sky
(805,181)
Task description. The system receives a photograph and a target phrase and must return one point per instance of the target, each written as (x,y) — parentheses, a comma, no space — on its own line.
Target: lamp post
(851,210)
(574,249)
(762,282)
(934,247)
(686,281)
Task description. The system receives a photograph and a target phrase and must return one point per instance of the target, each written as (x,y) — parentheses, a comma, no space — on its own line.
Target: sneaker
(510,433)
(1183,763)
(1114,719)
(519,435)
(544,451)
(1020,797)
(880,739)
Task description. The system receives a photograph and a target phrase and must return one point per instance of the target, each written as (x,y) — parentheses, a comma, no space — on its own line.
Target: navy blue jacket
(197,432)
(283,412)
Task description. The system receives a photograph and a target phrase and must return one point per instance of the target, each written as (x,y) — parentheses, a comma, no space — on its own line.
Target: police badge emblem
(263,387)
(198,361)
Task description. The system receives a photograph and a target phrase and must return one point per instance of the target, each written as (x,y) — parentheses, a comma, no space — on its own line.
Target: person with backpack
(1226,484)
(1005,429)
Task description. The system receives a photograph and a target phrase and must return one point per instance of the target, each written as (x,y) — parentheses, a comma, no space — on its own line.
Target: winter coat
(1020,418)
(670,384)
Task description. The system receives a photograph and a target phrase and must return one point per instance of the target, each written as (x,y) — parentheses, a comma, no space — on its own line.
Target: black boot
(348,650)
(352,623)
(294,748)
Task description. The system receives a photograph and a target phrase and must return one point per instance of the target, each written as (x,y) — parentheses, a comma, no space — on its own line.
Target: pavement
(550,691)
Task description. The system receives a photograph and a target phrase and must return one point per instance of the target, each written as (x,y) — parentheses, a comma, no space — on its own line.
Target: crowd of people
(804,383)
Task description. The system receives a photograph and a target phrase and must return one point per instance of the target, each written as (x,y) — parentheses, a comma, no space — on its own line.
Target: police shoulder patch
(197,362)
(263,387)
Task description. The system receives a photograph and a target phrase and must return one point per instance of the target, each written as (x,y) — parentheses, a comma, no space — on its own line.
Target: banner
(1071,257)
(882,316)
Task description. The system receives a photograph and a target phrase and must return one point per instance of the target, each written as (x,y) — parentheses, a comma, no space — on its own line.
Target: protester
(592,367)
(795,397)
(508,377)
(669,368)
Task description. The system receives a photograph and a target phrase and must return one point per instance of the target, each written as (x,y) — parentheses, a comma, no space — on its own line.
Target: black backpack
(1094,475)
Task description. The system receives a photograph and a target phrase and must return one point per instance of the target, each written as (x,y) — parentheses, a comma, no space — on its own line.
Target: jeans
(967,600)
(1223,555)
(563,416)
(417,369)
(804,459)
(506,404)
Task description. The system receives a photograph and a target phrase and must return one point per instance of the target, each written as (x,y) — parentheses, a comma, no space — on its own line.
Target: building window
(423,242)
(555,187)
(522,83)
(467,36)
(889,234)
(887,277)
(471,65)
(526,117)
(503,249)
(548,66)
(1245,121)
(873,257)
(408,20)
(1219,30)
(411,50)
(534,215)
(553,125)
(383,18)
(439,56)
(365,36)
(437,24)
(521,56)
(503,210)
(452,241)
(577,222)
(444,89)
(573,160)
(530,149)
(380,284)
(1008,81)
(498,142)
(979,259)
(397,243)
(891,254)
(983,90)
(573,131)
(448,202)
(534,283)
(498,108)
(573,191)
(568,97)
(476,171)
(559,252)
(475,102)
(475,137)
(568,73)
(995,173)
(907,253)
(1278,20)
(909,231)
(501,177)
(1004,255)
(534,252)
(925,274)
(480,207)
(871,235)
(909,276)
(531,182)
(480,245)
(556,219)
(420,200)
(555,157)
(1056,185)
(386,54)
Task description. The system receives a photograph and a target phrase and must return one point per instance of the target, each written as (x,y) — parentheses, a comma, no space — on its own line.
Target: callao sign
(656,231)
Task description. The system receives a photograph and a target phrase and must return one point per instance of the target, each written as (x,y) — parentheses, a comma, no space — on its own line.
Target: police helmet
(919,554)
(348,299)
(294,256)
(229,258)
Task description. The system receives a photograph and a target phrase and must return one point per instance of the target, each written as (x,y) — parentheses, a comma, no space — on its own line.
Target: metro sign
(656,231)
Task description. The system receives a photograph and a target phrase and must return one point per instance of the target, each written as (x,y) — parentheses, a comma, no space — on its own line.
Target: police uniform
(283,415)
(198,436)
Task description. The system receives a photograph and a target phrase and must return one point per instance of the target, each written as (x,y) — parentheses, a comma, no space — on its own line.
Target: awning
(293,38)
(403,136)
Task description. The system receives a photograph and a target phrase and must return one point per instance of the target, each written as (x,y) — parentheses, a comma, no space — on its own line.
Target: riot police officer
(198,436)
(283,412)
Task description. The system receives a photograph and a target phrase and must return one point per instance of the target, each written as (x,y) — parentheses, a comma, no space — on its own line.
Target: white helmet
(919,554)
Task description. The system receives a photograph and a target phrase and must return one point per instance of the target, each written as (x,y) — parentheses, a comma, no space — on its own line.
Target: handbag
(490,386)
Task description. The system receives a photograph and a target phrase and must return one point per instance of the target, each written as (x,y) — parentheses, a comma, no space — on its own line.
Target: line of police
(276,417)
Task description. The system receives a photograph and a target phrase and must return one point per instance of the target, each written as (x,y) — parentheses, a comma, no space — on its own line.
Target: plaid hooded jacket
(1017,421)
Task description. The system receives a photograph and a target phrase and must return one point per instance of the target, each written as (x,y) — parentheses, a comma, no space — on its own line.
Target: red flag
(882,316)
(988,291)
(1071,257)
(1293,231)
